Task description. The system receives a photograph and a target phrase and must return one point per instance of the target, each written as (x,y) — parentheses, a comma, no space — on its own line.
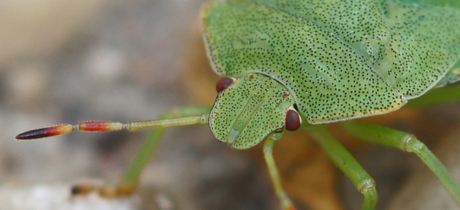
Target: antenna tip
(45,132)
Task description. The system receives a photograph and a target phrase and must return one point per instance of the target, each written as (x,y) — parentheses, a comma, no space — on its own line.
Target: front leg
(286,203)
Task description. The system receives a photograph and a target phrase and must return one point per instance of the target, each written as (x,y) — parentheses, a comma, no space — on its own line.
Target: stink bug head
(249,110)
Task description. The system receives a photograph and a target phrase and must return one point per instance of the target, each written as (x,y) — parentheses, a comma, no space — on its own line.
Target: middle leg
(345,161)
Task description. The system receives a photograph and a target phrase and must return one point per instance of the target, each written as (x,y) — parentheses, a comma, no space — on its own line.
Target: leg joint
(204,118)
(367,185)
(411,144)
(268,148)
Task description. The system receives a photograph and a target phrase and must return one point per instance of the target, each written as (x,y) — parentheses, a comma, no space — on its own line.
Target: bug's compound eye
(224,83)
(293,120)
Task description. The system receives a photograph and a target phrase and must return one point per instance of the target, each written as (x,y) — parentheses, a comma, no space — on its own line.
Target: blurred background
(67,62)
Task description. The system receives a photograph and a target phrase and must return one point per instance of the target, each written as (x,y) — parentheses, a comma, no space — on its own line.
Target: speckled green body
(339,59)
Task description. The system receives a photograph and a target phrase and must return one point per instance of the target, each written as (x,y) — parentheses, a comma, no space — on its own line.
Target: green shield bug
(291,64)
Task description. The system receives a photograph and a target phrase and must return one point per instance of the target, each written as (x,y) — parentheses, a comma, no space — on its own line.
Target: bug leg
(437,96)
(274,174)
(343,159)
(408,143)
(143,157)
(131,177)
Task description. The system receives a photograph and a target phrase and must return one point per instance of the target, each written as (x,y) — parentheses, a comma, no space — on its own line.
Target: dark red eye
(293,120)
(224,83)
